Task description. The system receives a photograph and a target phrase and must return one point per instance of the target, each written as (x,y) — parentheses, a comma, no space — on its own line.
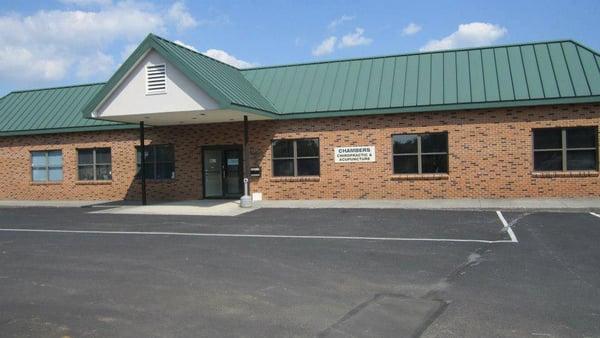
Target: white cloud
(86,3)
(181,43)
(411,28)
(94,65)
(179,14)
(327,46)
(227,58)
(51,45)
(354,39)
(468,35)
(128,50)
(220,55)
(333,24)
(20,63)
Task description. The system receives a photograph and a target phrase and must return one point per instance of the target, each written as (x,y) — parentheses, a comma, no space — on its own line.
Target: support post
(246,200)
(246,156)
(143,163)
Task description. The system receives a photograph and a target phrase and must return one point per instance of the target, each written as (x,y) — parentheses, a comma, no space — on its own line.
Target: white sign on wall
(355,154)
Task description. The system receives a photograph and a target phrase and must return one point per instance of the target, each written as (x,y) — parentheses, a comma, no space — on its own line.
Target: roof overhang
(188,117)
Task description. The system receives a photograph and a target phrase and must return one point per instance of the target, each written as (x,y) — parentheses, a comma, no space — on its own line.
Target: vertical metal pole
(246,156)
(143,162)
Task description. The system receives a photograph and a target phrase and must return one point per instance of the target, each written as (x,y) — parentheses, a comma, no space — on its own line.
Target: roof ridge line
(193,51)
(413,53)
(57,87)
(272,108)
(585,47)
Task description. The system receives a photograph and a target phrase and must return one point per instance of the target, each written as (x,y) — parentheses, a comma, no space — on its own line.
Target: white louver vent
(156,79)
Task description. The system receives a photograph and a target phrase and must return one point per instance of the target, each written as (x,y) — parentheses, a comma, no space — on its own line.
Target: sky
(64,42)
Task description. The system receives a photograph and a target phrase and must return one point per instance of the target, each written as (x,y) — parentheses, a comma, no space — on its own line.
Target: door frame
(222,148)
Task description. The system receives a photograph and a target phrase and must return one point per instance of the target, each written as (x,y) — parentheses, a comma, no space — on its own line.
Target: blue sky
(63,42)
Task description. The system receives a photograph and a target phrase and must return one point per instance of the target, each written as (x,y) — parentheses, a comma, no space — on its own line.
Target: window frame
(94,164)
(295,156)
(47,167)
(564,149)
(420,153)
(155,163)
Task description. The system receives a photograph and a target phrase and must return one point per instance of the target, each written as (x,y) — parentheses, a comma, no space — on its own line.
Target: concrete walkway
(51,204)
(231,207)
(441,204)
(186,208)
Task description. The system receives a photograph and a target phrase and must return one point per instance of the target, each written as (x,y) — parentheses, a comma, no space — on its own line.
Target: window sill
(47,183)
(550,174)
(92,182)
(416,177)
(296,179)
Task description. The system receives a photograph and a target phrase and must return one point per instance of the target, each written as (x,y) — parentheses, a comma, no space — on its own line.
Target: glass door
(213,173)
(233,173)
(223,172)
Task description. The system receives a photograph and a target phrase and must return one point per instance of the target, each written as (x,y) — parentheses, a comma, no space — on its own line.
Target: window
(563,149)
(156,79)
(296,157)
(94,164)
(160,162)
(46,166)
(420,153)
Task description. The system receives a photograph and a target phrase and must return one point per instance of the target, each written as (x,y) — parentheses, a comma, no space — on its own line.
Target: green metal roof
(222,82)
(489,77)
(556,72)
(50,110)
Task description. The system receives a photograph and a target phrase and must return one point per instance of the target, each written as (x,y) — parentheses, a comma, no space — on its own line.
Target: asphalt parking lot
(299,272)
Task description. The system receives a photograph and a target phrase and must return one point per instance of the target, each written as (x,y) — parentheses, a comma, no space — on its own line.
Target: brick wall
(490,155)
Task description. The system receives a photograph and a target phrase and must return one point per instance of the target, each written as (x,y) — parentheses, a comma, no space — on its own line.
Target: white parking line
(509,230)
(594,214)
(196,234)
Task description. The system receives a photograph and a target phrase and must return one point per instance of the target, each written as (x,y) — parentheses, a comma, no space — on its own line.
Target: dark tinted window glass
(547,160)
(307,148)
(283,148)
(406,164)
(164,153)
(149,151)
(103,172)
(308,167)
(405,144)
(296,157)
(581,138)
(581,160)
(86,172)
(547,139)
(103,155)
(85,156)
(434,143)
(165,170)
(160,162)
(283,167)
(149,170)
(434,164)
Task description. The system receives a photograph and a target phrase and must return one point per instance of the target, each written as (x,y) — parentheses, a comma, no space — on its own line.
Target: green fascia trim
(235,106)
(146,45)
(67,130)
(447,107)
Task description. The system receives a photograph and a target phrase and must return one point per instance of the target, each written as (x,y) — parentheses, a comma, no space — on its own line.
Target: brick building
(492,122)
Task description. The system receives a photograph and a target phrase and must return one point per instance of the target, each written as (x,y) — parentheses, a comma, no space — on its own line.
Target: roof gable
(524,74)
(222,82)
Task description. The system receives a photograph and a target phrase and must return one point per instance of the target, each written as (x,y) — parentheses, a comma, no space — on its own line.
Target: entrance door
(223,172)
